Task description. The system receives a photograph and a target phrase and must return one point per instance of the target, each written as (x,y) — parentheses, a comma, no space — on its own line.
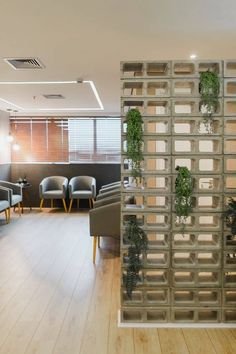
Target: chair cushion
(53,194)
(4,204)
(16,198)
(82,194)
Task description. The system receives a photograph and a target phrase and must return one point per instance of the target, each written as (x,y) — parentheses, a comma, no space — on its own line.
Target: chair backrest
(83,182)
(55,182)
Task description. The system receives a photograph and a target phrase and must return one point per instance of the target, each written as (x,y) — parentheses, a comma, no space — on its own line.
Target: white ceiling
(88,39)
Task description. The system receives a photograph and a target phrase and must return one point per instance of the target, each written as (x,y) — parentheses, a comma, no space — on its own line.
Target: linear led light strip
(101,108)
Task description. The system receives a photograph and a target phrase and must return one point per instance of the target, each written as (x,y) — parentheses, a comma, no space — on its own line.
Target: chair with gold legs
(53,187)
(16,195)
(5,202)
(104,220)
(82,187)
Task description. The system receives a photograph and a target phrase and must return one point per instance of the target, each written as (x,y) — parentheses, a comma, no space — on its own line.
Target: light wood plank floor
(53,300)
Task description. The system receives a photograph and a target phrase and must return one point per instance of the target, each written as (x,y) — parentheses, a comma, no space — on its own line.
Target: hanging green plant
(137,238)
(209,88)
(183,195)
(230,218)
(134,138)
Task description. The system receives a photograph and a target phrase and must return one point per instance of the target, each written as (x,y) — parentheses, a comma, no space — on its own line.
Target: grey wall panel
(104,173)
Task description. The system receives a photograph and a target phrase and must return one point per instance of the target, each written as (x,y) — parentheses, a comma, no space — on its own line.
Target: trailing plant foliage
(209,90)
(134,137)
(137,238)
(183,194)
(230,217)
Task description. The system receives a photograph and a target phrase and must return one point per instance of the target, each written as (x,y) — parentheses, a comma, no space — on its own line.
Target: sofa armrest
(108,189)
(16,188)
(65,186)
(105,201)
(43,187)
(93,186)
(105,220)
(5,194)
(108,194)
(113,184)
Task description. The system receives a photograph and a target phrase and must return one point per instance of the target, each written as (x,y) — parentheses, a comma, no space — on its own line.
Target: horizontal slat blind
(41,140)
(94,139)
(81,139)
(67,140)
(108,140)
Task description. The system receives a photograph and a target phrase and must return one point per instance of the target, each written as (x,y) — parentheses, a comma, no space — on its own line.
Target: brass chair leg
(92,202)
(9,215)
(90,206)
(41,204)
(6,215)
(51,203)
(95,238)
(19,209)
(78,203)
(98,241)
(64,203)
(70,206)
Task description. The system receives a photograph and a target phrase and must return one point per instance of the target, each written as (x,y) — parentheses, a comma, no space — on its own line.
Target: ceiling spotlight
(193,56)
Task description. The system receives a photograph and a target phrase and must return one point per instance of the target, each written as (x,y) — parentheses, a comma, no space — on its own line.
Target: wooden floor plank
(147,341)
(172,341)
(25,266)
(95,336)
(47,332)
(198,341)
(53,300)
(120,340)
(70,337)
(222,340)
(32,297)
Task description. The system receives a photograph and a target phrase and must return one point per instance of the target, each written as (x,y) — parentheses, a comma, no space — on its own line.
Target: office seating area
(58,188)
(118,177)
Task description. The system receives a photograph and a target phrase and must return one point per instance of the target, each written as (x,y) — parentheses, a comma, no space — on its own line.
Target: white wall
(5,153)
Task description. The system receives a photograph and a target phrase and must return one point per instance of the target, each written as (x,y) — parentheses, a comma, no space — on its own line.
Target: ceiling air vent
(54,97)
(24,63)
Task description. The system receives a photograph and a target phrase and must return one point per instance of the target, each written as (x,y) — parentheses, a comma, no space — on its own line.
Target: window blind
(41,140)
(75,140)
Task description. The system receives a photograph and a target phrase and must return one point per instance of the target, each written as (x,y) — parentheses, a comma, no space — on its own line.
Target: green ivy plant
(134,138)
(230,217)
(209,88)
(137,239)
(183,195)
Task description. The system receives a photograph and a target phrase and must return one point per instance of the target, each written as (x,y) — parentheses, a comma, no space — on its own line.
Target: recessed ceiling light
(193,56)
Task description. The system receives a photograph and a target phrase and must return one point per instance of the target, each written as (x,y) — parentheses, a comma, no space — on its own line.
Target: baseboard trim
(172,324)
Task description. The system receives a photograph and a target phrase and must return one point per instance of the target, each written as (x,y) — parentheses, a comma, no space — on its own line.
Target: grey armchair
(5,202)
(104,220)
(53,187)
(15,191)
(82,187)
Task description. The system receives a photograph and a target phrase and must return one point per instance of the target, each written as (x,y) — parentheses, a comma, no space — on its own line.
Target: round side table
(26,195)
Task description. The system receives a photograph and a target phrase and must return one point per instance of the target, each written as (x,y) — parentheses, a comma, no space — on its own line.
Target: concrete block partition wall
(188,278)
